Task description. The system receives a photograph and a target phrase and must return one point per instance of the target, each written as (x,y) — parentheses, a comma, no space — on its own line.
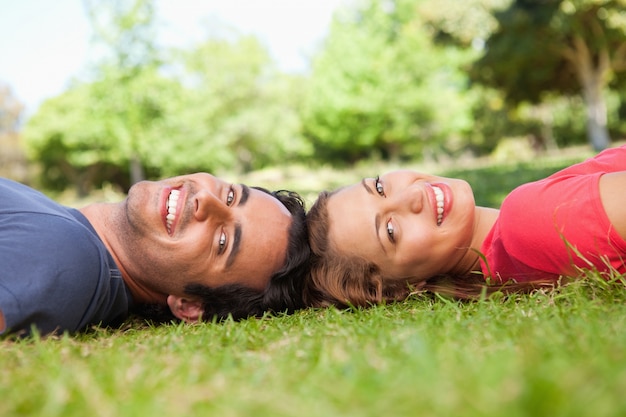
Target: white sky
(44,43)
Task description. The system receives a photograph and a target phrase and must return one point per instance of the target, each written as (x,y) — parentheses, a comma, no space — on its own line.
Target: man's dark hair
(284,291)
(282,294)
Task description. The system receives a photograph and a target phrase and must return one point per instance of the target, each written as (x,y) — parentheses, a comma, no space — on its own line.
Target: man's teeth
(439,198)
(172,201)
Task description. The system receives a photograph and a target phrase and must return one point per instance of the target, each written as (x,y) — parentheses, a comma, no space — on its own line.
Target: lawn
(551,353)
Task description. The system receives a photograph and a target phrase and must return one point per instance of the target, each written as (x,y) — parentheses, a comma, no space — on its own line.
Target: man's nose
(208,205)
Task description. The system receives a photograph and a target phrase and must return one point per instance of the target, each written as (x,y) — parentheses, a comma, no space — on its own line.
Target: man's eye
(379,186)
(222,243)
(390,232)
(230,197)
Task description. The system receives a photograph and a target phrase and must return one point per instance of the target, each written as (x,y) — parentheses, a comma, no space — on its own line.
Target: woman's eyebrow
(377,231)
(376,218)
(367,188)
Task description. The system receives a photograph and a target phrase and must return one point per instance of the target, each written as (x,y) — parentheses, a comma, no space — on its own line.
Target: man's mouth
(439,197)
(172,202)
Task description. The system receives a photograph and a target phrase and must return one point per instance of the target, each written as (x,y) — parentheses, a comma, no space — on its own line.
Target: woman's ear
(186,309)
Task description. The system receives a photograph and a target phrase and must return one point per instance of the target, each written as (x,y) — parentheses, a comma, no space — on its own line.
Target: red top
(552,226)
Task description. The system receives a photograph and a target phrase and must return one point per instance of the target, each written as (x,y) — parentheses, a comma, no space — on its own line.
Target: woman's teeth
(439,198)
(172,201)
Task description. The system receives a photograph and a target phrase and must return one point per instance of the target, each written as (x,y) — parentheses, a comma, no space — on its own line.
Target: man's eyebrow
(245,194)
(236,244)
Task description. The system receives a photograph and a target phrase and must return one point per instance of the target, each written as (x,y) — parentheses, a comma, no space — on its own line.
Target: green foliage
(390,82)
(565,47)
(237,112)
(104,131)
(464,23)
(88,135)
(218,106)
(380,86)
(522,57)
(57,136)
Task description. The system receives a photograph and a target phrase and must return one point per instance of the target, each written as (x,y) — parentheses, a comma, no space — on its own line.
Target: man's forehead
(267,201)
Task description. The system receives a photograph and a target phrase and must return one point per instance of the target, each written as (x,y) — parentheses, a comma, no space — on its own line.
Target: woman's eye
(222,243)
(379,186)
(390,232)
(230,197)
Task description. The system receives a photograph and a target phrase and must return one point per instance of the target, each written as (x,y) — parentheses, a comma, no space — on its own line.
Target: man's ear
(186,309)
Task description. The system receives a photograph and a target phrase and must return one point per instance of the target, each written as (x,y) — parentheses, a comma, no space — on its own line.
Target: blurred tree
(66,141)
(467,23)
(12,158)
(11,110)
(104,130)
(81,137)
(565,47)
(381,87)
(219,105)
(238,111)
(126,31)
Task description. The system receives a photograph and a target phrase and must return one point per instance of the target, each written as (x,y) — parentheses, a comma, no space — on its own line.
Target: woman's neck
(484,220)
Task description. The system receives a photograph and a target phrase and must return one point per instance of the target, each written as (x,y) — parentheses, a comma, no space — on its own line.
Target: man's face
(199,229)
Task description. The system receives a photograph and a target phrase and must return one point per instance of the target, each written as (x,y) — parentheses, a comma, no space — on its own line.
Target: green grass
(557,353)
(550,353)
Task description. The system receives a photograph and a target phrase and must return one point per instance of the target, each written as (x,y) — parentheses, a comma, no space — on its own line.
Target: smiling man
(194,245)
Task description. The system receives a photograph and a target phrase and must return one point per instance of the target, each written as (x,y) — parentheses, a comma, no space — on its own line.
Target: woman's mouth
(170,206)
(439,197)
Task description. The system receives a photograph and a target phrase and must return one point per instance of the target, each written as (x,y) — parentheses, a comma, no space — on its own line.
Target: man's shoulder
(58,272)
(18,198)
(40,237)
(45,243)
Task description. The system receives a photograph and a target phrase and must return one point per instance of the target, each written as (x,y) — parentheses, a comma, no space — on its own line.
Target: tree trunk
(597,131)
(592,73)
(136,170)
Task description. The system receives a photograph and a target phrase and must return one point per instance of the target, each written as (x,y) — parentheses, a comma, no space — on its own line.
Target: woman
(386,237)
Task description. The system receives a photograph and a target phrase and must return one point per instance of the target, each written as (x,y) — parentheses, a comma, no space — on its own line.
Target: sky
(45,43)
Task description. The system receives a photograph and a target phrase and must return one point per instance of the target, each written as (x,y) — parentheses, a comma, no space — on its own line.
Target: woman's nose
(410,199)
(210,205)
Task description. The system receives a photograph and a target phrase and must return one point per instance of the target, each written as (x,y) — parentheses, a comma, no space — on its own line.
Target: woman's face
(407,223)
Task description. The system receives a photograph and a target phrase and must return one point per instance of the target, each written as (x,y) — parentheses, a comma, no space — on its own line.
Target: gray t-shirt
(55,272)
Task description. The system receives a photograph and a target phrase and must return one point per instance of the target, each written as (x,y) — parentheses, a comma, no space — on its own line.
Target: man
(196,244)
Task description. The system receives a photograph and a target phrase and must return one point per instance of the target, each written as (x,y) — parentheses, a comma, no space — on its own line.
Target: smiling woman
(385,237)
(405,234)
